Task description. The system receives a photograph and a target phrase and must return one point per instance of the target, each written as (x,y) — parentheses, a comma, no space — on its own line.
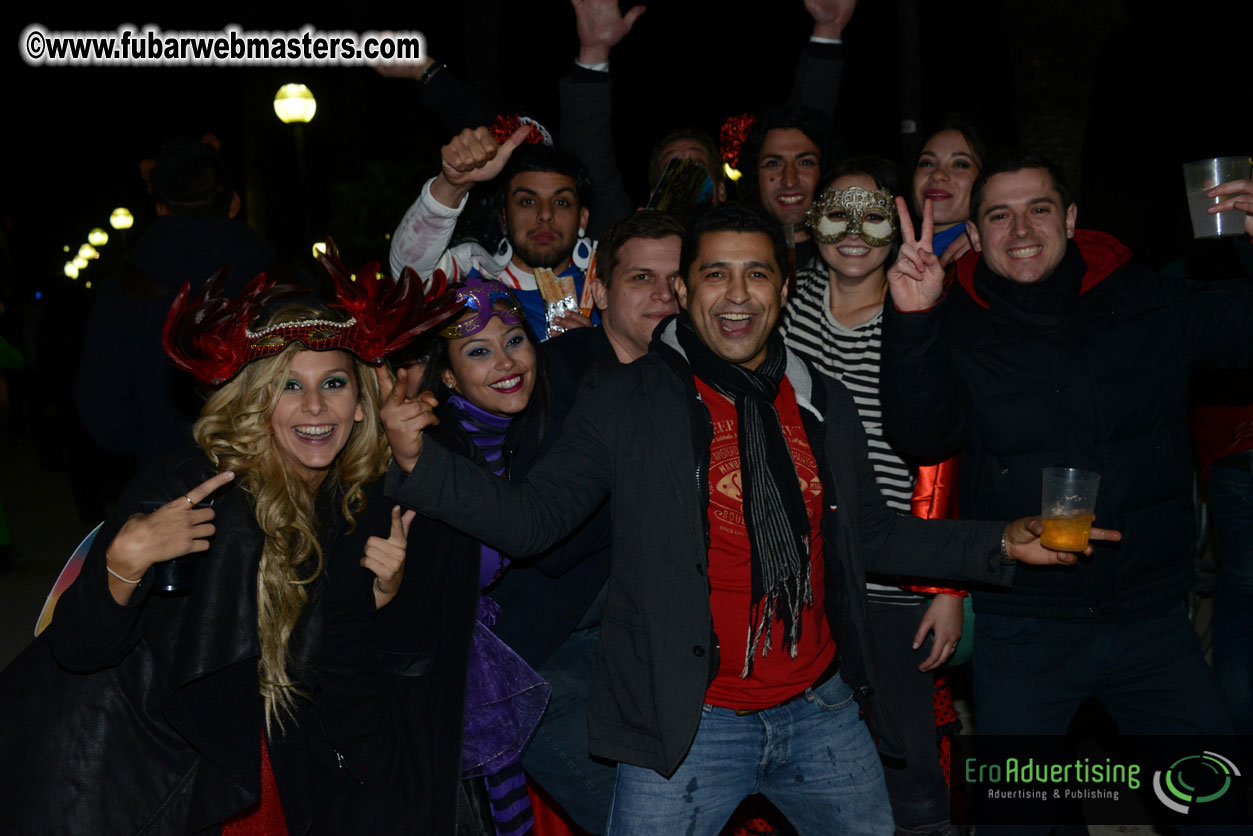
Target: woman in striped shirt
(835,319)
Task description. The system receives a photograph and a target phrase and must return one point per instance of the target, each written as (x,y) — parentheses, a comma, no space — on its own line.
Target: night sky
(1123,93)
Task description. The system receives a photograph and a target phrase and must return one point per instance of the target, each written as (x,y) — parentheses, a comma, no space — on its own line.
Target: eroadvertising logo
(1194,779)
(1056,780)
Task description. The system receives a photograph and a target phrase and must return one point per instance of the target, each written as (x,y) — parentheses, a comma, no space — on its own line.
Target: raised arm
(586,97)
(442,90)
(821,64)
(422,238)
(1218,315)
(922,413)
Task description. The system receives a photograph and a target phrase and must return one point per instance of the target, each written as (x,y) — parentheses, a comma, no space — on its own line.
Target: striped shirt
(850,355)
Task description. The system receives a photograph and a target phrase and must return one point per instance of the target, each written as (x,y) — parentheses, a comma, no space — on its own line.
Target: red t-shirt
(775,677)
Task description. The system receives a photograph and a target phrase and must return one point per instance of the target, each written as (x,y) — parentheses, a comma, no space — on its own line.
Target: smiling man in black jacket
(1053,349)
(732,647)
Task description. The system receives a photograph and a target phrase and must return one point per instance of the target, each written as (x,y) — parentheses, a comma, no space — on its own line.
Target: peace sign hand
(916,280)
(176,528)
(404,417)
(386,558)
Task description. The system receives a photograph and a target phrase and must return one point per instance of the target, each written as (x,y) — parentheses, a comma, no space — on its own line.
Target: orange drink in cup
(1067,508)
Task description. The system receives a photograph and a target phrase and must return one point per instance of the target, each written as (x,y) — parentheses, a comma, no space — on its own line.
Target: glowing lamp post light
(88,251)
(79,262)
(121,218)
(97,237)
(294,103)
(70,270)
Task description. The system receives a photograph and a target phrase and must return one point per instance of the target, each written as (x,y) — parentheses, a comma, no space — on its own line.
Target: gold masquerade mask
(855,211)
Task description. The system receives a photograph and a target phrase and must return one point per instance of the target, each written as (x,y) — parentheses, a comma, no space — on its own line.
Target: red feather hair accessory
(209,336)
(507,123)
(206,336)
(731,137)
(388,314)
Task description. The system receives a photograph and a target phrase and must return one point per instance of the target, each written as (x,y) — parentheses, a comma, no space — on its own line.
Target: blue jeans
(812,757)
(1231,503)
(557,755)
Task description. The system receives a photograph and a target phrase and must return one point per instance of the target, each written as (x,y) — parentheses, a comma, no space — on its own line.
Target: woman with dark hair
(836,320)
(944,173)
(489,376)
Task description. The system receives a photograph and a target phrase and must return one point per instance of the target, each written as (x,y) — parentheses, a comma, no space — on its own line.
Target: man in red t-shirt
(733,641)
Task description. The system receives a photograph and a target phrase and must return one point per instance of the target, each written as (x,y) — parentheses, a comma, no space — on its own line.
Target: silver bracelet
(1005,558)
(109,569)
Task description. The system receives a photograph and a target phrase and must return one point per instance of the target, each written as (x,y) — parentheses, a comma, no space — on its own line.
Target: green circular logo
(1194,779)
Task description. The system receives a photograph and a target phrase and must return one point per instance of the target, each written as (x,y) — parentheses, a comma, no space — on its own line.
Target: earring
(582,255)
(582,232)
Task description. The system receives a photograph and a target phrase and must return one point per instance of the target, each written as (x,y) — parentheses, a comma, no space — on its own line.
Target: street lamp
(79,262)
(295,106)
(294,103)
(97,237)
(121,218)
(88,251)
(70,270)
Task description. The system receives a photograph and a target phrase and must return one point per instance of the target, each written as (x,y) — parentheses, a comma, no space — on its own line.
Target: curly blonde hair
(235,433)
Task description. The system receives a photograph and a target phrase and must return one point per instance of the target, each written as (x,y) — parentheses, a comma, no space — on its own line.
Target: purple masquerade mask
(482,297)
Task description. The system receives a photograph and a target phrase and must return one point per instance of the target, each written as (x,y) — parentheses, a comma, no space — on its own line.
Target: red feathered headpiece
(209,336)
(506,124)
(731,137)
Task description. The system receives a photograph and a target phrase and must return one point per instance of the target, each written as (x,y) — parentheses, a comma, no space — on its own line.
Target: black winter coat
(1103,389)
(389,685)
(147,718)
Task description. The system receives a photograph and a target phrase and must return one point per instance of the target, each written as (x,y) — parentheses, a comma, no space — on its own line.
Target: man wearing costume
(544,192)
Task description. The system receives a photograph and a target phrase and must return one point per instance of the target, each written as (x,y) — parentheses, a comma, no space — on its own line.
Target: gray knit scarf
(774,508)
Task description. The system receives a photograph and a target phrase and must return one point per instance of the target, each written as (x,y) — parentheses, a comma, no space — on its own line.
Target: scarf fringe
(763,613)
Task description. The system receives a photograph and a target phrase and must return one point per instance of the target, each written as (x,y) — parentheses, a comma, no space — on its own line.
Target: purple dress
(504,696)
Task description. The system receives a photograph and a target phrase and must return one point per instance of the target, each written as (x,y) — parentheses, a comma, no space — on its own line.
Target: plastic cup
(1203,175)
(1067,508)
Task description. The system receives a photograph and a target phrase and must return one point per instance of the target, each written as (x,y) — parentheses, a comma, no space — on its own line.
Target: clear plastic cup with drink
(1067,508)
(1201,176)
